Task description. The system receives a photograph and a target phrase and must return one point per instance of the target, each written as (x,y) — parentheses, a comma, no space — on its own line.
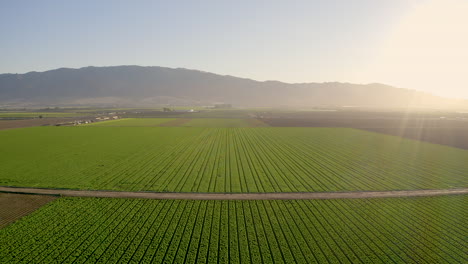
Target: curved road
(235,196)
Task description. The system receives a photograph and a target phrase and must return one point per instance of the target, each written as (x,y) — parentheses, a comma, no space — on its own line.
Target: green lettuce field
(92,230)
(200,159)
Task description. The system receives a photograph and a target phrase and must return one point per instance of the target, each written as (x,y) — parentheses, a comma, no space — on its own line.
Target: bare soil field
(10,124)
(453,137)
(256,122)
(235,196)
(451,131)
(13,206)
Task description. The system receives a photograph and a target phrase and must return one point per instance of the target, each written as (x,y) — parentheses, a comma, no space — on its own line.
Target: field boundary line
(233,196)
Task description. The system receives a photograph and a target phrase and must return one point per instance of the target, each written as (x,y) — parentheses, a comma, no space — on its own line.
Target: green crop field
(183,122)
(402,230)
(133,122)
(222,122)
(199,159)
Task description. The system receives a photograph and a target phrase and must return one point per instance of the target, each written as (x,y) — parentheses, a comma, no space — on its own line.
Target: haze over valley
(154,86)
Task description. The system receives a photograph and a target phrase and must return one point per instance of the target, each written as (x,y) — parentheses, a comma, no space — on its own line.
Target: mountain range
(151,86)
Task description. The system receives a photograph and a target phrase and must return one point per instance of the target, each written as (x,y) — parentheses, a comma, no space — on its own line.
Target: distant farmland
(133,122)
(224,122)
(207,159)
(37,114)
(401,230)
(183,122)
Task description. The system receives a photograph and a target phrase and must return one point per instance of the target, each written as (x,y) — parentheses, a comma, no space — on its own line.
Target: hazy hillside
(143,86)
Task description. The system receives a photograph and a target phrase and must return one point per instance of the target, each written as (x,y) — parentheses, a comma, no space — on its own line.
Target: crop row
(171,159)
(409,230)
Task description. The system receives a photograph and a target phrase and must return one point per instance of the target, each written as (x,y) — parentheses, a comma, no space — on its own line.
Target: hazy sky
(420,44)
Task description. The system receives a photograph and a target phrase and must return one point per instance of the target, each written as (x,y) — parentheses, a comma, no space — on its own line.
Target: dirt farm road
(234,196)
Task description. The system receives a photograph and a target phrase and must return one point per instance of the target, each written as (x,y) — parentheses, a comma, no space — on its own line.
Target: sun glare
(429,47)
